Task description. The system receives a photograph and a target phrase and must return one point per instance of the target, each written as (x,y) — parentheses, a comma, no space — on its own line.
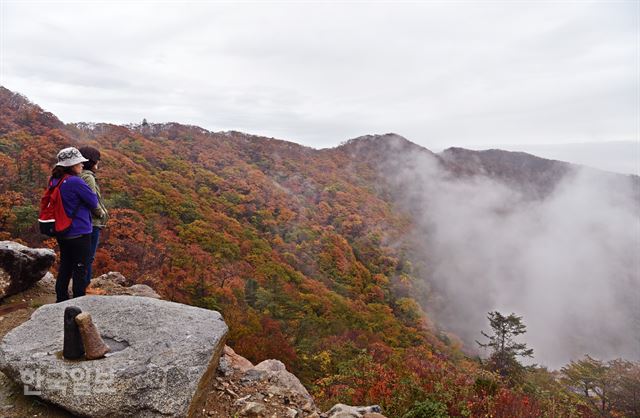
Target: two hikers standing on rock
(81,199)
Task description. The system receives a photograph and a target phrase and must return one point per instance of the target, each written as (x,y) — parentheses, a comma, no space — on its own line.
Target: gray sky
(442,74)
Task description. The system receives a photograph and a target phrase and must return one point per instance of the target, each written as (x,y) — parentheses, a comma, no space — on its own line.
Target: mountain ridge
(21,104)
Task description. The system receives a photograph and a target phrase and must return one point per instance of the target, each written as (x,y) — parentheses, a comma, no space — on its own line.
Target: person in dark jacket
(100,218)
(75,244)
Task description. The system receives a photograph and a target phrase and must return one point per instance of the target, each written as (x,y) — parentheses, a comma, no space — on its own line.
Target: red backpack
(53,220)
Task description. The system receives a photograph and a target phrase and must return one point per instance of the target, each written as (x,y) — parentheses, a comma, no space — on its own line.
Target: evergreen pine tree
(505,349)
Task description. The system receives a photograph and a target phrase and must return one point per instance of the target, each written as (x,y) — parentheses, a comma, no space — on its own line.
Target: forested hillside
(303,251)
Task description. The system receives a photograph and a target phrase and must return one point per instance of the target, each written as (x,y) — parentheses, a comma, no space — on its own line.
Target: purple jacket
(78,197)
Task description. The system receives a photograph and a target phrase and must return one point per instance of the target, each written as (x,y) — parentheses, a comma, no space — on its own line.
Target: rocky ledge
(163,355)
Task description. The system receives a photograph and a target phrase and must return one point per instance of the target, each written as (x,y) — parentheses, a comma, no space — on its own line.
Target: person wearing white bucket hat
(70,157)
(79,202)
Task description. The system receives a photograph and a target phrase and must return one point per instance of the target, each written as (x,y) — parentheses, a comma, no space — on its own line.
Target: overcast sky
(442,74)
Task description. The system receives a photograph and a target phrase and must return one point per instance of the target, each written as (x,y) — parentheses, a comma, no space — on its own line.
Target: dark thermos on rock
(73,347)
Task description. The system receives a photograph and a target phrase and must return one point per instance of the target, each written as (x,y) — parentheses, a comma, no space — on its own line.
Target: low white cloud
(569,264)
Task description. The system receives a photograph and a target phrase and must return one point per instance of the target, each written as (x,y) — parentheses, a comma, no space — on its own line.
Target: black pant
(74,258)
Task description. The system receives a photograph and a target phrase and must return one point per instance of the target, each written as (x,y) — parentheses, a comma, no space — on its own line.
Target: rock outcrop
(281,381)
(268,390)
(21,267)
(265,390)
(231,363)
(114,283)
(163,355)
(346,411)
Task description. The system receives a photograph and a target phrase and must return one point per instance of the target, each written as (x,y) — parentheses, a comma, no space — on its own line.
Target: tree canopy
(505,350)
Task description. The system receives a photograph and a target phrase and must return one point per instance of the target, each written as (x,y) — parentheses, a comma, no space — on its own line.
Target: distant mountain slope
(19,113)
(615,156)
(535,177)
(529,173)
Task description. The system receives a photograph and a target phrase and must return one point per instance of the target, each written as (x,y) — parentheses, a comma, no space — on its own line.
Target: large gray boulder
(163,355)
(21,267)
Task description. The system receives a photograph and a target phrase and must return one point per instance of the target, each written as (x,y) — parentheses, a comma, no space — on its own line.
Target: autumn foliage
(299,249)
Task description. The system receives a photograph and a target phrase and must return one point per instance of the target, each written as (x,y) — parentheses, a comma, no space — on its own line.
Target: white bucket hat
(69,157)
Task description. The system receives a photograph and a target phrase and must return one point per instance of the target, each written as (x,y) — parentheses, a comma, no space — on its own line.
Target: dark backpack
(53,219)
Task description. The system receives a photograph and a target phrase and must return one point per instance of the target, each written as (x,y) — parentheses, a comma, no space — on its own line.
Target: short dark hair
(91,154)
(59,171)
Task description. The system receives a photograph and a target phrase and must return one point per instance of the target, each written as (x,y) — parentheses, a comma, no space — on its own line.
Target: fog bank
(569,264)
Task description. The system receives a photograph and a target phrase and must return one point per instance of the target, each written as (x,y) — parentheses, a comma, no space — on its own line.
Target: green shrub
(427,409)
